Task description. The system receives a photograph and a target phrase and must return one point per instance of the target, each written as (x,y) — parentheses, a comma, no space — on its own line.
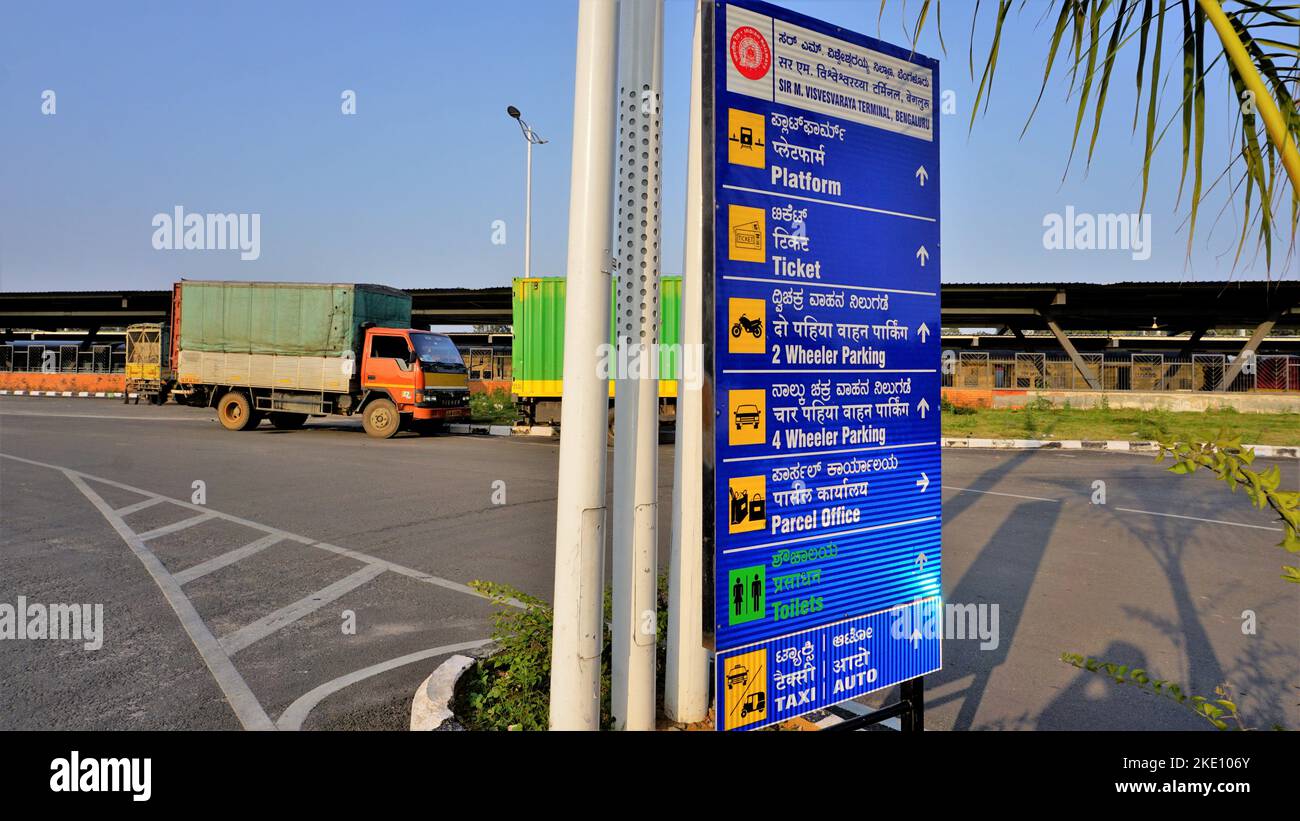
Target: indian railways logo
(750,53)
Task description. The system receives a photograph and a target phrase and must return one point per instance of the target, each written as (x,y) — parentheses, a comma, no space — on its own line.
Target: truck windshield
(436,349)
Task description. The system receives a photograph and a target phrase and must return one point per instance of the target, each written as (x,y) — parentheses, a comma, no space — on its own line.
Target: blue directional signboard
(824,299)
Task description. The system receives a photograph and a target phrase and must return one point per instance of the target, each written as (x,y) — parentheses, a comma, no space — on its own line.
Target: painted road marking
(1199,519)
(132,508)
(252,633)
(997,493)
(108,416)
(296,714)
(247,708)
(409,572)
(183,524)
(217,562)
(241,699)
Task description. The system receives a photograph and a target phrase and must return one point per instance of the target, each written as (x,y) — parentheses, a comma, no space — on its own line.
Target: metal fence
(61,359)
(487,364)
(1119,372)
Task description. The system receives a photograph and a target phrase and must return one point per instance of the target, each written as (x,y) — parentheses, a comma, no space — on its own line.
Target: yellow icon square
(744,689)
(745,235)
(745,325)
(746,417)
(746,141)
(746,504)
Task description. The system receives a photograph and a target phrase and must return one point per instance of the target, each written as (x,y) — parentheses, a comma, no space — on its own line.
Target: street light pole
(533,139)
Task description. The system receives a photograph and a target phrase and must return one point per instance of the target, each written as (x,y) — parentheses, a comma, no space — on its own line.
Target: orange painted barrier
(74,382)
(969,397)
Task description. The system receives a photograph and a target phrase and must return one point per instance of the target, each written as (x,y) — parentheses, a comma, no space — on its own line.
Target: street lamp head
(512,111)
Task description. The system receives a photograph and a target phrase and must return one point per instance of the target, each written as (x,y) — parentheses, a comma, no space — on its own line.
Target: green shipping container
(538,353)
(285,318)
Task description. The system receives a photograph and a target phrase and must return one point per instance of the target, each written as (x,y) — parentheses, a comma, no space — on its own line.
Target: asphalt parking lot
(234,612)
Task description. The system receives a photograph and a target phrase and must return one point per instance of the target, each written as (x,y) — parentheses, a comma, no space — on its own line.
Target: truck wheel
(282,420)
(235,412)
(381,419)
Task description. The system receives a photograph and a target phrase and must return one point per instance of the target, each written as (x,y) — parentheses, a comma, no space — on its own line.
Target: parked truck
(290,350)
(537,367)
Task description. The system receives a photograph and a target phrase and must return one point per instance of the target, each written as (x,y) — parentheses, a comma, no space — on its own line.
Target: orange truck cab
(421,372)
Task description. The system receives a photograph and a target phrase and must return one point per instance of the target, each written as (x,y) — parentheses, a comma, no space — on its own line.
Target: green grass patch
(494,407)
(1038,420)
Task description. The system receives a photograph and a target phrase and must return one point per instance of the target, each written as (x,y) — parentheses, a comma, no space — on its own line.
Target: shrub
(493,406)
(511,689)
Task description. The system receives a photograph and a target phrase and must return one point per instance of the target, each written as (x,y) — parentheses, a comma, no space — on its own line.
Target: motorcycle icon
(753,326)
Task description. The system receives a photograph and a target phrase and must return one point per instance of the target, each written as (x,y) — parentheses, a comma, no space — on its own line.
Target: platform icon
(746,141)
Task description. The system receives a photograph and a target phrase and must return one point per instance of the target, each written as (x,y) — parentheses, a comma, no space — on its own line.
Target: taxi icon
(748,415)
(738,674)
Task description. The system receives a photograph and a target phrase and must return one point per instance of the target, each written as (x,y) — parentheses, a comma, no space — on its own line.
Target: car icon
(737,675)
(748,415)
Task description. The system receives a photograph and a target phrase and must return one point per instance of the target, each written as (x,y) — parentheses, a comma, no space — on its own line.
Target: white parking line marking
(420,575)
(217,562)
(297,713)
(241,699)
(247,708)
(1198,519)
(404,571)
(183,524)
(996,493)
(129,509)
(263,627)
(107,416)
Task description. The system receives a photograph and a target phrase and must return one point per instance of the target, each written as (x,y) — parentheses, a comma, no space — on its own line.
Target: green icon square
(746,594)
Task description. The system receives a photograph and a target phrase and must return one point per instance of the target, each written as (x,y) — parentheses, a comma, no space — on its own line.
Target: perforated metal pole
(580,508)
(636,402)
(686,679)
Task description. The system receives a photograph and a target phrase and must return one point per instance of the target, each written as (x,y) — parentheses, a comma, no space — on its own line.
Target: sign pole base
(910,710)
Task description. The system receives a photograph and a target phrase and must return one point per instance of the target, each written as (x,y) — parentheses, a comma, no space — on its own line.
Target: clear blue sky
(235,107)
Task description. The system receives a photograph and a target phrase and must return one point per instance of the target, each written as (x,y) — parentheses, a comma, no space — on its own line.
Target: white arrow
(916,638)
(922,255)
(922,175)
(923,482)
(923,406)
(923,332)
(920,561)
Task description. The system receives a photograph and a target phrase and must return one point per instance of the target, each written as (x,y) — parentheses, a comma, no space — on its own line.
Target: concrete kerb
(1267,451)
(476,429)
(431,708)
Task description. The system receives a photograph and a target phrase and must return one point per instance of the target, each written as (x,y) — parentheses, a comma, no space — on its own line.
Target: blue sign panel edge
(926,606)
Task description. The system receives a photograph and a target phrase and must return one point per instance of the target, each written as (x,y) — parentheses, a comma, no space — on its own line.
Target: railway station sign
(822,289)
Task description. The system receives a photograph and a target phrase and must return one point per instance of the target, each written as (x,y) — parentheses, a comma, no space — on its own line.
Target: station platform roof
(1172,307)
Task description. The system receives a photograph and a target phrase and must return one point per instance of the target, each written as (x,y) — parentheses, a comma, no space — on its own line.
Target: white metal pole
(686,679)
(580,509)
(528,209)
(636,402)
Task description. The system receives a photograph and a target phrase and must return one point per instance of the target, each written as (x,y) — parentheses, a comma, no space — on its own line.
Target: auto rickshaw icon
(754,703)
